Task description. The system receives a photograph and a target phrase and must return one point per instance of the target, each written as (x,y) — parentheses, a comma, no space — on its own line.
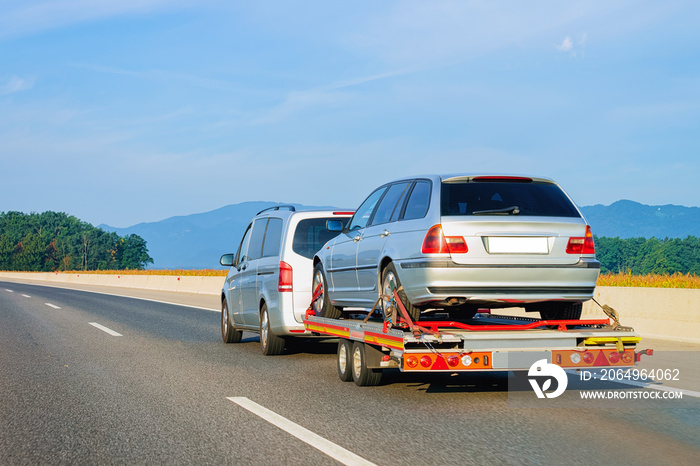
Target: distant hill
(197,241)
(629,219)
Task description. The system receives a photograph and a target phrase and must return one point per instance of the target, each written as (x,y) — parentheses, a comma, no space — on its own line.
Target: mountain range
(197,241)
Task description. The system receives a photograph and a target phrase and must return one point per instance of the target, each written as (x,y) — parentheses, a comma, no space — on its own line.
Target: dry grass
(676,280)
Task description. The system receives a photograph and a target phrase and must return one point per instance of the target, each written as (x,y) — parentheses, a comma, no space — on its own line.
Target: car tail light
(343,213)
(285,280)
(436,242)
(581,245)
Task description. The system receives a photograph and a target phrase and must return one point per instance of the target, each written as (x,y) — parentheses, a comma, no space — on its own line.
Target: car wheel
(561,311)
(228,332)
(361,374)
(270,343)
(389,276)
(322,306)
(345,360)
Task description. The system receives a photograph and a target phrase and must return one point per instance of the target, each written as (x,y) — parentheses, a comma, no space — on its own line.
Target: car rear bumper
(441,281)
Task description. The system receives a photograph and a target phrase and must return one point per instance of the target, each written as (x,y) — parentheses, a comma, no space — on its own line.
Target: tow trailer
(389,339)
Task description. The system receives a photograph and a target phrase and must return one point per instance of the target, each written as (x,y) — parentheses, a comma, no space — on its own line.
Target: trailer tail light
(412,362)
(453,360)
(285,280)
(426,361)
(614,357)
(588,358)
(581,245)
(436,242)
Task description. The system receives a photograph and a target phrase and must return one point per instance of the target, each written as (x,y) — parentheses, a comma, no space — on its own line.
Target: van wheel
(270,343)
(228,332)
(322,306)
(561,311)
(389,276)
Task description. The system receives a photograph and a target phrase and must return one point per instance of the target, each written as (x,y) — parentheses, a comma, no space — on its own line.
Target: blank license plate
(518,245)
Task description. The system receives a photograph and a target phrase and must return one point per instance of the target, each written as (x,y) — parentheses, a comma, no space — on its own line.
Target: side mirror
(335,226)
(226,260)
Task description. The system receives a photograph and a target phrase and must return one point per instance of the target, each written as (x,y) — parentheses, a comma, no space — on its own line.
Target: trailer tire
(322,306)
(388,275)
(270,344)
(345,360)
(228,332)
(561,311)
(361,374)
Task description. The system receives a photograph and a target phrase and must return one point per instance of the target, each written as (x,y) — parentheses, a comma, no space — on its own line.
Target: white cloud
(16,84)
(566,45)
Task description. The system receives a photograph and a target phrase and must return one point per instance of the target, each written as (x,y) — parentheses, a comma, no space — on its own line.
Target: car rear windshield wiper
(512,210)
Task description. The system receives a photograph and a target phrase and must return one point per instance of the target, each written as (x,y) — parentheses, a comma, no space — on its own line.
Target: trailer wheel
(228,332)
(388,276)
(361,374)
(561,311)
(345,360)
(322,306)
(270,343)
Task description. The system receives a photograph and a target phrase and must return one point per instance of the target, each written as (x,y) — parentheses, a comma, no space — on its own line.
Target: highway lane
(72,393)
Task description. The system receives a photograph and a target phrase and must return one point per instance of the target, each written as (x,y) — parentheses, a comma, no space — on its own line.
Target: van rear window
(505,198)
(311,234)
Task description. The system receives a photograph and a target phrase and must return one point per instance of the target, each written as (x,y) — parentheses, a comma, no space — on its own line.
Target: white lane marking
(52,305)
(336,452)
(636,383)
(105,329)
(26,296)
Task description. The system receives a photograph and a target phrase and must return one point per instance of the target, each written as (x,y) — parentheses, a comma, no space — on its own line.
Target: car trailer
(486,343)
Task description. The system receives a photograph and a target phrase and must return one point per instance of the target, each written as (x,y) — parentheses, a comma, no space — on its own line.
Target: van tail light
(436,242)
(285,280)
(581,245)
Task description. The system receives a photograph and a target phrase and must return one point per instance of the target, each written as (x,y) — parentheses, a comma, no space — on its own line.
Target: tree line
(55,241)
(642,256)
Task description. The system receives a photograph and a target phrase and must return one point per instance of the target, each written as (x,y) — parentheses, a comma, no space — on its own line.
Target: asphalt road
(72,393)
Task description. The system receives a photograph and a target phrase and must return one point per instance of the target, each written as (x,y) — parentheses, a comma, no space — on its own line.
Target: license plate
(518,245)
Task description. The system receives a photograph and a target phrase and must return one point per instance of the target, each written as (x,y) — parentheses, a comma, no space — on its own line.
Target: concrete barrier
(174,283)
(668,313)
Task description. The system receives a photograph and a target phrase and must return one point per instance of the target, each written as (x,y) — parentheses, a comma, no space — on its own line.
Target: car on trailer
(458,243)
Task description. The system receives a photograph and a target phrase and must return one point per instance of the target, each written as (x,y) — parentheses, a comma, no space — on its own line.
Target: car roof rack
(289,207)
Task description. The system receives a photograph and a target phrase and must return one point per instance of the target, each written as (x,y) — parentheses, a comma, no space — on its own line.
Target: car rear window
(311,234)
(505,198)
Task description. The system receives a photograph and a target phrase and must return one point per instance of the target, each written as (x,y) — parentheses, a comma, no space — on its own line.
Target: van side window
(241,255)
(273,238)
(389,202)
(256,239)
(418,201)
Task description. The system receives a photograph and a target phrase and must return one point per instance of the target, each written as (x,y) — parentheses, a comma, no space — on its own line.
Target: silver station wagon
(457,243)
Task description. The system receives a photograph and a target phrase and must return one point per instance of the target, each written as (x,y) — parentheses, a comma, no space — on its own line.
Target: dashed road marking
(336,452)
(9,291)
(105,329)
(52,305)
(26,296)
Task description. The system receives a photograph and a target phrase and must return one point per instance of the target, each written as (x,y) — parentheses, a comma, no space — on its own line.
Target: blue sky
(138,110)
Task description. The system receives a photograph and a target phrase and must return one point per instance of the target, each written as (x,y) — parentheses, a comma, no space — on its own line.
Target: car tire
(322,306)
(228,332)
(270,343)
(389,274)
(345,360)
(361,374)
(561,311)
